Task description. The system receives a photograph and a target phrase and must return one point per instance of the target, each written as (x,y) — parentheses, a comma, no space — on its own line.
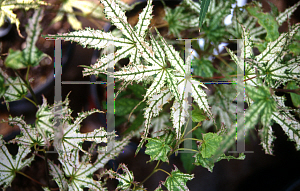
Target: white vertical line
(110,116)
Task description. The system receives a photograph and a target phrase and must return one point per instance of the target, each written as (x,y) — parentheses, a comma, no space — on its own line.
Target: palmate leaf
(177,180)
(290,126)
(263,107)
(9,164)
(179,19)
(210,15)
(295,97)
(99,39)
(204,7)
(7,7)
(31,55)
(249,22)
(29,134)
(125,180)
(269,63)
(211,142)
(71,137)
(87,8)
(266,20)
(80,173)
(155,55)
(16,89)
(209,162)
(157,149)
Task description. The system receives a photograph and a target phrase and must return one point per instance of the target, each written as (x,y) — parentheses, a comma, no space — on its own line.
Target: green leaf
(177,180)
(204,162)
(211,143)
(158,149)
(204,7)
(295,97)
(179,19)
(9,164)
(138,90)
(203,67)
(198,114)
(274,9)
(31,55)
(169,138)
(125,105)
(188,160)
(294,47)
(262,95)
(209,163)
(266,20)
(136,124)
(2,85)
(15,59)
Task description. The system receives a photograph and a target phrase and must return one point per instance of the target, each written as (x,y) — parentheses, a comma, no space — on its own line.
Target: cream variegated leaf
(87,8)
(82,170)
(144,20)
(9,164)
(290,126)
(16,89)
(58,175)
(246,53)
(44,120)
(125,179)
(30,55)
(72,138)
(7,7)
(283,16)
(155,105)
(249,22)
(267,139)
(161,64)
(29,134)
(179,113)
(269,62)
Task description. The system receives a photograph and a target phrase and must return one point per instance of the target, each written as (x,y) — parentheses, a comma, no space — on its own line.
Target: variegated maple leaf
(154,61)
(7,6)
(271,71)
(80,171)
(9,164)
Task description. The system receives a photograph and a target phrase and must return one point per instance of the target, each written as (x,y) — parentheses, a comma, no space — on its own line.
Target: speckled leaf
(125,179)
(10,164)
(16,89)
(157,149)
(177,180)
(31,55)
